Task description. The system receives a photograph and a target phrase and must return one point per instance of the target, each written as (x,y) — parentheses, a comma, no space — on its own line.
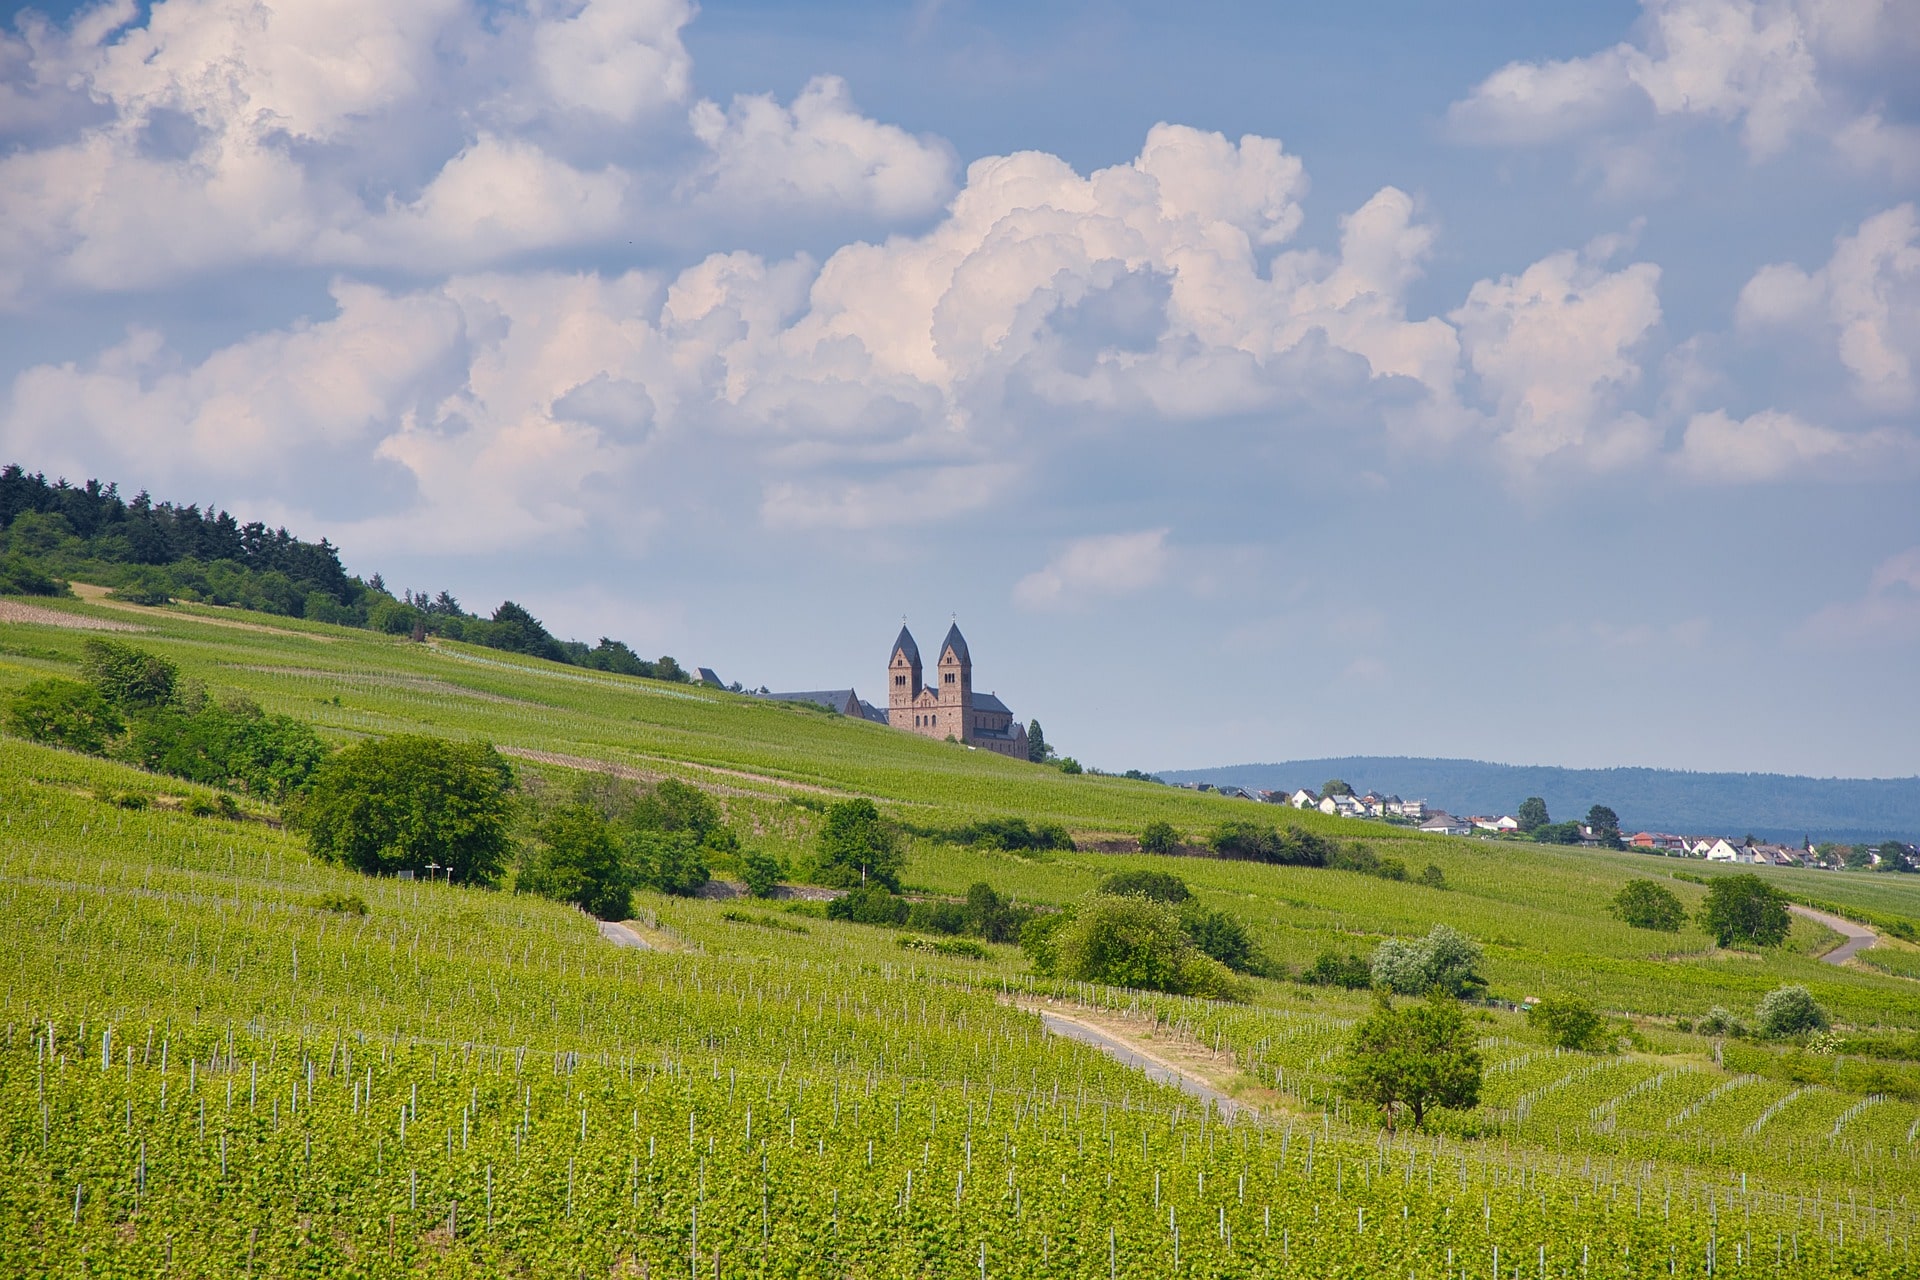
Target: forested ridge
(1769,805)
(151,552)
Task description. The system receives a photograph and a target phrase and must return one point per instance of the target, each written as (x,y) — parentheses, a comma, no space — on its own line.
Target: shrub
(1719,1022)
(1568,1022)
(1445,959)
(1788,1011)
(762,873)
(1332,969)
(1137,942)
(1223,937)
(229,744)
(1157,885)
(869,904)
(1040,936)
(673,805)
(1069,765)
(1646,904)
(1257,843)
(1745,910)
(144,586)
(668,861)
(1433,877)
(992,917)
(856,846)
(20,577)
(1159,837)
(64,713)
(346,904)
(1015,835)
(128,677)
(399,803)
(938,917)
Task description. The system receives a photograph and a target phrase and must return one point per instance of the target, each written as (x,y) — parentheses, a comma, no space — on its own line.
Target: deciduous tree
(402,802)
(1743,911)
(1413,1058)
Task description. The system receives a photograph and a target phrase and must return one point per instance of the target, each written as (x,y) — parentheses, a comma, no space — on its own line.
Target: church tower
(903,680)
(956,685)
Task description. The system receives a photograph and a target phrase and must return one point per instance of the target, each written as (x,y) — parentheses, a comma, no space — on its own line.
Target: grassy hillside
(206,1069)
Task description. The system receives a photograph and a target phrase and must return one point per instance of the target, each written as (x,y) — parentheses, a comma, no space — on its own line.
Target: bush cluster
(132,705)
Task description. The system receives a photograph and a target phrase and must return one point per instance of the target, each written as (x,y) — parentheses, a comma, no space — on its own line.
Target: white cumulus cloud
(1553,345)
(1102,567)
(1865,302)
(1771,445)
(1779,69)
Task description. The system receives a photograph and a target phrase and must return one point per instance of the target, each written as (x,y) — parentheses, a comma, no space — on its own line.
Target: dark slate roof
(905,642)
(987,702)
(873,713)
(958,643)
(831,699)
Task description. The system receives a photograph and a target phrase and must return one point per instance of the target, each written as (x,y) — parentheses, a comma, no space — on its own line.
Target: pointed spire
(958,643)
(904,643)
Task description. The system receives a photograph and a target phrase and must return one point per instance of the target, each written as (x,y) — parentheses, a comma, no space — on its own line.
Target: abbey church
(947,707)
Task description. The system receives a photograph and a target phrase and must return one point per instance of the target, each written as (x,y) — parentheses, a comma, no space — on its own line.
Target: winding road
(1858,936)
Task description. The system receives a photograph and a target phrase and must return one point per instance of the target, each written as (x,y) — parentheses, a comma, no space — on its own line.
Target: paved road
(1127,1056)
(1858,936)
(621,936)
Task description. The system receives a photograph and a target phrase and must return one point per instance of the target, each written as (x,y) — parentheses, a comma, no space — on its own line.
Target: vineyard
(211,1066)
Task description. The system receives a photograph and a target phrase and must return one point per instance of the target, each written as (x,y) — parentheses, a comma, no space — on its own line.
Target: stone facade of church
(947,706)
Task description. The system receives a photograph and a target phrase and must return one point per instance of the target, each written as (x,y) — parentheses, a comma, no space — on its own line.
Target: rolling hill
(219,1055)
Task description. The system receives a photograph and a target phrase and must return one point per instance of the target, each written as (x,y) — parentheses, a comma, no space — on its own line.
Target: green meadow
(208,1069)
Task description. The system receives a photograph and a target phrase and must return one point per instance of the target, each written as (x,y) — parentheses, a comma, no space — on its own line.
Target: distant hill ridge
(1770,805)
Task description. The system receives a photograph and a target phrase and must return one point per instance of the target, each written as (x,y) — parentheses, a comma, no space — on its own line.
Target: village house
(1445,824)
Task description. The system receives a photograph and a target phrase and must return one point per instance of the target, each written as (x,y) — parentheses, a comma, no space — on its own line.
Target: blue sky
(1533,383)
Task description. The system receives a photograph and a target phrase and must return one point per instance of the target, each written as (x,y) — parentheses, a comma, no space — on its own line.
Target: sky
(1532,383)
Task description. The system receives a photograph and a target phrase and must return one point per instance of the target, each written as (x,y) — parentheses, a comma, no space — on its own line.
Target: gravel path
(1858,936)
(1130,1056)
(621,936)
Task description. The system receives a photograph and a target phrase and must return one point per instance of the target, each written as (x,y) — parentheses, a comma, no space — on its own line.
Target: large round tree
(1745,911)
(409,801)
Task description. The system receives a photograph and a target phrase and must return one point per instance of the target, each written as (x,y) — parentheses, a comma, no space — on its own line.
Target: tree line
(152,552)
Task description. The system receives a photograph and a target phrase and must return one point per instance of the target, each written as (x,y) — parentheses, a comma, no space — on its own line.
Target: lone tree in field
(399,803)
(1532,815)
(1413,1058)
(1647,904)
(1745,911)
